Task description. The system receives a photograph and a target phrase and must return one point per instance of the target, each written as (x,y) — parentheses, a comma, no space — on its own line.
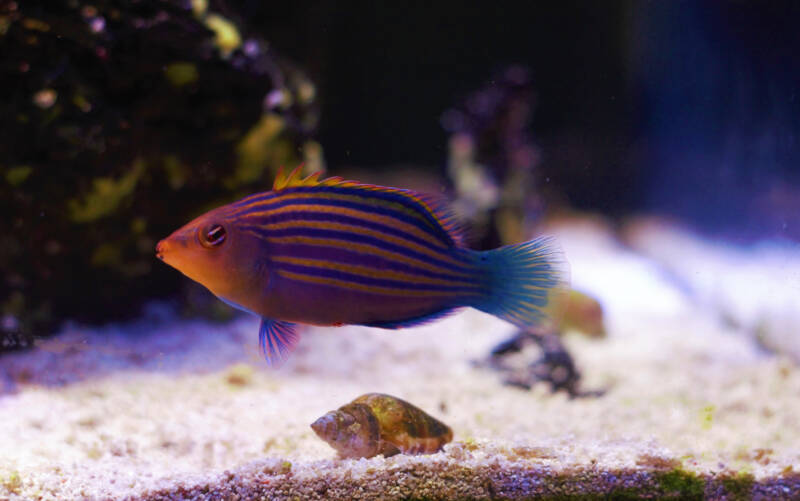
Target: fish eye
(212,235)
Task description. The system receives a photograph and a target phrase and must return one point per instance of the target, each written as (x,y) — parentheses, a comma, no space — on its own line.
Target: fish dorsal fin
(438,214)
(295,178)
(440,211)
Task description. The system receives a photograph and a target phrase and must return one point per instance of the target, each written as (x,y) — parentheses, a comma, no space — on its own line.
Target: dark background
(688,109)
(685,108)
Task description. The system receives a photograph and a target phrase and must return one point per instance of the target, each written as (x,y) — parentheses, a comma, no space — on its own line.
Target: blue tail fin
(526,282)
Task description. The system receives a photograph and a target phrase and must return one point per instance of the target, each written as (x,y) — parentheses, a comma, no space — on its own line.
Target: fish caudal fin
(277,340)
(526,282)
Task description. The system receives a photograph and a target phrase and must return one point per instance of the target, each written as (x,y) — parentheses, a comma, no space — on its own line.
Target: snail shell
(376,423)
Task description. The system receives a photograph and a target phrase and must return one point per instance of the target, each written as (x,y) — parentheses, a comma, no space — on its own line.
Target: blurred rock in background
(119,122)
(492,158)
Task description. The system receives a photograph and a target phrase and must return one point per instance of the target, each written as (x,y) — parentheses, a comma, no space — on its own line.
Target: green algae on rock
(133,114)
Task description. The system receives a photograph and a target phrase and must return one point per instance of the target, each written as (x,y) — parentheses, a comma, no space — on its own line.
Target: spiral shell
(376,423)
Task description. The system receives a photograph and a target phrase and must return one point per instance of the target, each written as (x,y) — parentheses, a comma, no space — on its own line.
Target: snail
(376,423)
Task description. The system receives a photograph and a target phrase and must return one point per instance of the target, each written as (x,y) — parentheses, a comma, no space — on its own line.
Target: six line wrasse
(335,252)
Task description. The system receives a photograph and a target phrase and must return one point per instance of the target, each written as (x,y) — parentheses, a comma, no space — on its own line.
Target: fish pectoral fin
(277,340)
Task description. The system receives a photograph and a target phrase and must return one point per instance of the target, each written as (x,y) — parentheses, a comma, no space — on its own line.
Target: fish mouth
(160,249)
(167,247)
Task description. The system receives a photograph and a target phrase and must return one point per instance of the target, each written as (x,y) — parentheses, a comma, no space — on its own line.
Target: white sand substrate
(169,409)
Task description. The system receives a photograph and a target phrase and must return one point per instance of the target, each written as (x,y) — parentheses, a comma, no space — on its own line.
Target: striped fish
(335,252)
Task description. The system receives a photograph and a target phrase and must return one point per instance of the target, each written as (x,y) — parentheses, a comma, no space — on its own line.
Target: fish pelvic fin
(277,340)
(526,283)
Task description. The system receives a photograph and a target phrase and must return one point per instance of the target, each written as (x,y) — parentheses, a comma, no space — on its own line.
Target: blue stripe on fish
(348,256)
(368,207)
(358,238)
(332,217)
(253,199)
(376,281)
(405,198)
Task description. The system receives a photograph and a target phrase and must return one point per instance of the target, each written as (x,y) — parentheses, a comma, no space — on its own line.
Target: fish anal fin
(277,340)
(413,322)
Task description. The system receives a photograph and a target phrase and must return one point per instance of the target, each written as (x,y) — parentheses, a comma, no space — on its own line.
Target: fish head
(213,251)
